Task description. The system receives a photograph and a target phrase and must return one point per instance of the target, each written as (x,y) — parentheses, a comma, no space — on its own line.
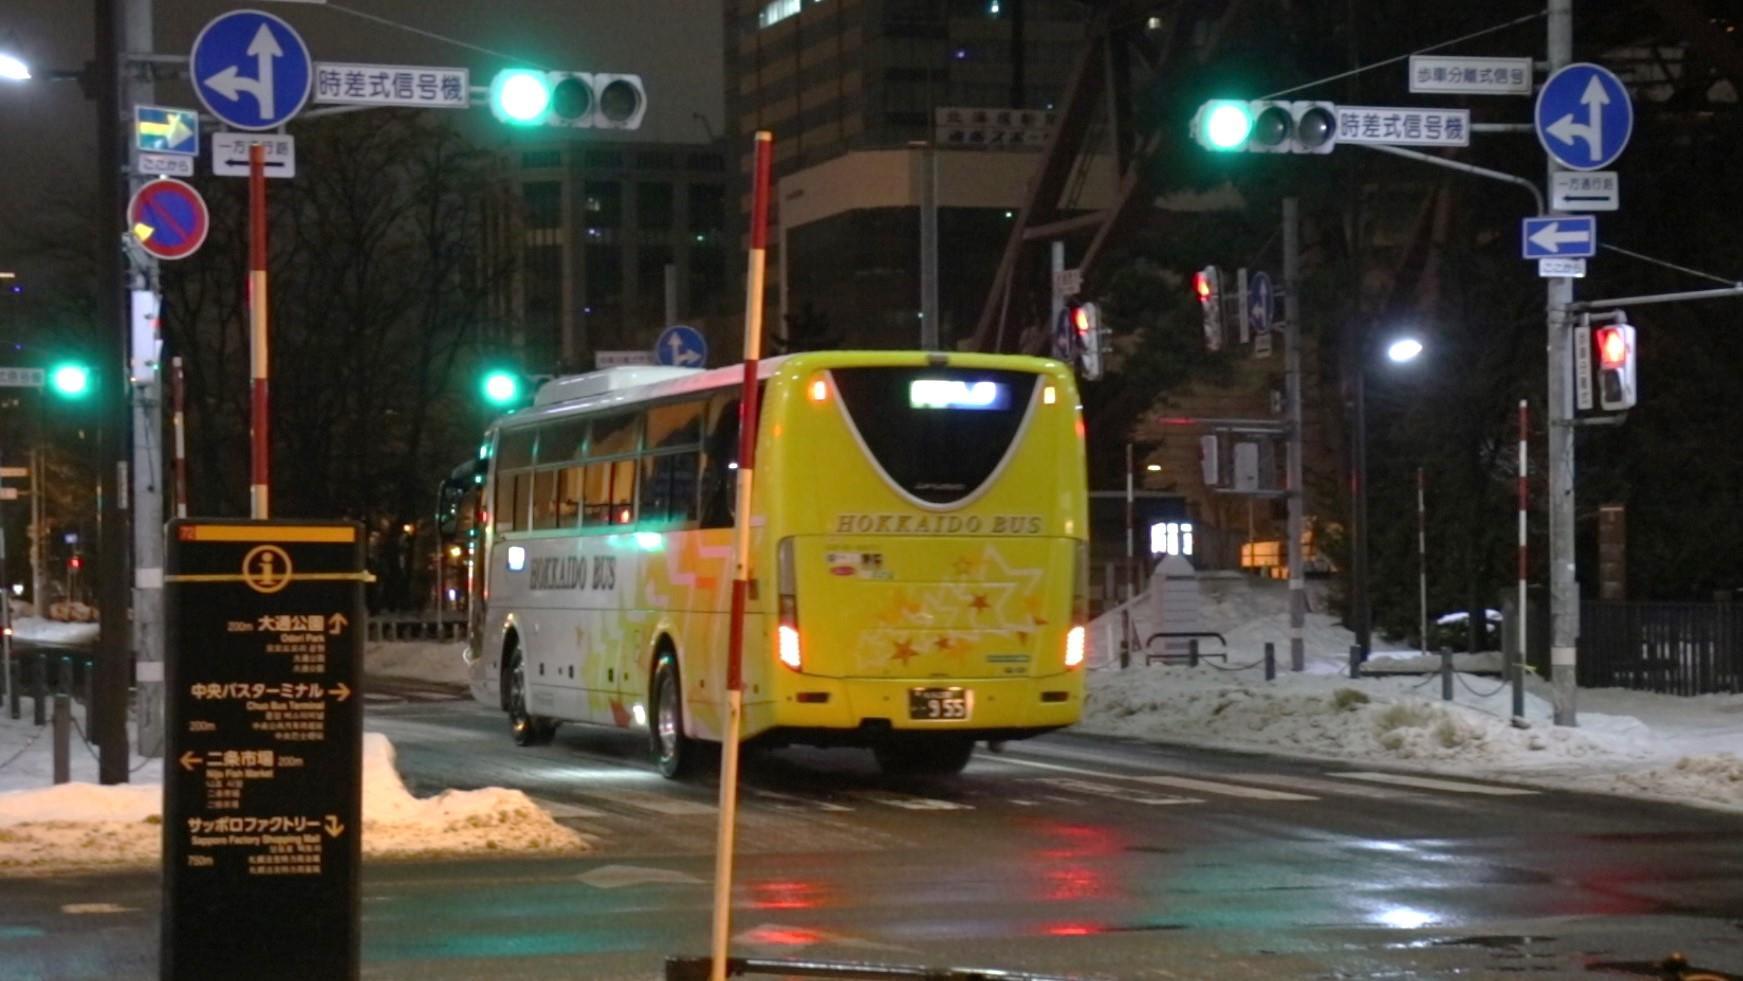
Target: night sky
(47,140)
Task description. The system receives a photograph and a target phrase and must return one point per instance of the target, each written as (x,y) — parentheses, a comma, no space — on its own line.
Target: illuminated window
(776,11)
(1171,538)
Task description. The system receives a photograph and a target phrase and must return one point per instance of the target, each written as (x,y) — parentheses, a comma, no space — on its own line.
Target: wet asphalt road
(1068,855)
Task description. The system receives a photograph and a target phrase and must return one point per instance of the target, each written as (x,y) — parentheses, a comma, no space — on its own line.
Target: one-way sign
(1559,237)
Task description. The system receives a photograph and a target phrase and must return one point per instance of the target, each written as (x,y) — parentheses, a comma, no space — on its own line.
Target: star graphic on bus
(942,643)
(964,565)
(979,602)
(905,652)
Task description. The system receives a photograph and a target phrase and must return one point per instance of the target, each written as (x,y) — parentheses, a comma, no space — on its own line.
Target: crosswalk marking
(788,801)
(562,809)
(1430,783)
(1117,793)
(1225,789)
(1314,785)
(1182,783)
(677,806)
(909,802)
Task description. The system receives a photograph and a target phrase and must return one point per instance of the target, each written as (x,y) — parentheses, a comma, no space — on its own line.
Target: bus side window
(719,449)
(596,498)
(668,491)
(503,512)
(622,492)
(569,498)
(544,499)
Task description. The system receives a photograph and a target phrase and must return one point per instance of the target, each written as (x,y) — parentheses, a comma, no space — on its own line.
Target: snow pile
(54,631)
(1633,744)
(492,819)
(82,825)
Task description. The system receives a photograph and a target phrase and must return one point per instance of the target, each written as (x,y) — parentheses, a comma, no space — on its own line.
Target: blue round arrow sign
(168,218)
(251,69)
(1584,116)
(681,346)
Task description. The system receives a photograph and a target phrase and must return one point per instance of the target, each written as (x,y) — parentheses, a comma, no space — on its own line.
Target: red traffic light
(1080,319)
(1202,285)
(75,562)
(1612,347)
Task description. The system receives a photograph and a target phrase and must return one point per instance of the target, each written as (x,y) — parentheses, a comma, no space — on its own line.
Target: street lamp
(1402,349)
(13,68)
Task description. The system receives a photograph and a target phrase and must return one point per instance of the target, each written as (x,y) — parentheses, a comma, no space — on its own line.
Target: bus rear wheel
(933,756)
(675,754)
(526,728)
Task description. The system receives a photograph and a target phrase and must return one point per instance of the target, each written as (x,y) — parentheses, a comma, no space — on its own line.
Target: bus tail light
(1074,638)
(787,628)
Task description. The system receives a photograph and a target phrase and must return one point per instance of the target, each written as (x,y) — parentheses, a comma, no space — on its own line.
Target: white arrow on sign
(230,83)
(1592,130)
(1551,238)
(680,354)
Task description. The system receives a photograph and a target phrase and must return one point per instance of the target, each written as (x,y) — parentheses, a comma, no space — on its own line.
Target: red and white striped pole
(747,444)
(1521,641)
(178,422)
(260,437)
(1422,556)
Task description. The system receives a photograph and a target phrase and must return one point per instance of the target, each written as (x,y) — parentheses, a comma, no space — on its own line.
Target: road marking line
(1225,789)
(1184,783)
(84,909)
(1117,793)
(560,809)
(1430,783)
(1331,787)
(661,805)
(802,802)
(911,803)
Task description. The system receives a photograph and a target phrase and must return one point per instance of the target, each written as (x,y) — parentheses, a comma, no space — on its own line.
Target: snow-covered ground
(46,828)
(1634,744)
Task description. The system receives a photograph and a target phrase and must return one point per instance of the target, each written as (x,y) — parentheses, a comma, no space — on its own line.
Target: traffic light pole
(1559,437)
(110,685)
(1292,386)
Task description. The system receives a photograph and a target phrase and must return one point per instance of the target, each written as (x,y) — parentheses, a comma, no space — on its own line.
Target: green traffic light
(70,379)
(1224,124)
(501,388)
(520,96)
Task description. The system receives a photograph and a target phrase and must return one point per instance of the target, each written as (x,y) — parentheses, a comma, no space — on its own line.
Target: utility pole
(1292,394)
(148,470)
(110,682)
(1564,597)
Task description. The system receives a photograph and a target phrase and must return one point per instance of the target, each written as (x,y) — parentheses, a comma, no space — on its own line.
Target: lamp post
(1402,349)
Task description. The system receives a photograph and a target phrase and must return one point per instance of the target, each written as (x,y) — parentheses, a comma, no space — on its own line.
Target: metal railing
(420,625)
(1670,648)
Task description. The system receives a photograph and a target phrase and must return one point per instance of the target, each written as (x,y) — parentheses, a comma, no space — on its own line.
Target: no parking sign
(168,218)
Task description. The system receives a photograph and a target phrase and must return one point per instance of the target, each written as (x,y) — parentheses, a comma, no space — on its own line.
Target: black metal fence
(1672,648)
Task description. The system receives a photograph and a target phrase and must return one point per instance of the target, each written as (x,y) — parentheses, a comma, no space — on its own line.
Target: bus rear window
(939,433)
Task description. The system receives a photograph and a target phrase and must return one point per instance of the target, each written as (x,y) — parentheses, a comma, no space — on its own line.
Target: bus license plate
(940,704)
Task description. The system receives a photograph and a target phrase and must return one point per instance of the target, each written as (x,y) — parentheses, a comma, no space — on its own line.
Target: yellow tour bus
(919,564)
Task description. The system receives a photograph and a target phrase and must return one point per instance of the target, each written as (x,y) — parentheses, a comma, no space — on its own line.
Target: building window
(544,291)
(534,159)
(707,209)
(604,158)
(543,201)
(656,161)
(1172,538)
(707,278)
(604,277)
(653,206)
(650,282)
(776,11)
(603,204)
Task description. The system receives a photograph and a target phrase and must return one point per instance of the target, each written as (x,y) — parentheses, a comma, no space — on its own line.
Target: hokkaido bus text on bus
(572,572)
(937,524)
